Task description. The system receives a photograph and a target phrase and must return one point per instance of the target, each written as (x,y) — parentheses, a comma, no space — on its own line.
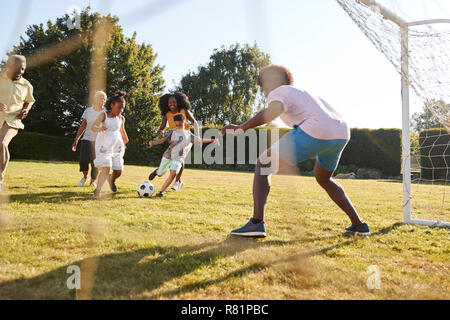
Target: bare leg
(261,182)
(336,193)
(168,181)
(94,173)
(115,174)
(104,174)
(178,179)
(6,135)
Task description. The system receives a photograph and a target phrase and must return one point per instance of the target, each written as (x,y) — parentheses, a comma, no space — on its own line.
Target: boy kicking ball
(181,141)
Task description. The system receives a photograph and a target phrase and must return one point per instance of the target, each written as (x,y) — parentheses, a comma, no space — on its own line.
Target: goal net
(419,51)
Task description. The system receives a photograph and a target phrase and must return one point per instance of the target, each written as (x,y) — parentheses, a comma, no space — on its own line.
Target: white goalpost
(427,72)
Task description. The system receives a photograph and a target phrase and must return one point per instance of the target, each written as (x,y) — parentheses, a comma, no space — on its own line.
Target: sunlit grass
(179,247)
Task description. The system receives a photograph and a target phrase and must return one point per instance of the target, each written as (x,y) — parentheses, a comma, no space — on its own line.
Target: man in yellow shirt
(16,98)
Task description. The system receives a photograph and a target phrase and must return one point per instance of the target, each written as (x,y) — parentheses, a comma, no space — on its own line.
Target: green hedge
(378,149)
(249,158)
(38,146)
(435,154)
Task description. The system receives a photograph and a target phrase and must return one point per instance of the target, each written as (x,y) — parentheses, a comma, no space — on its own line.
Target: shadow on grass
(67,196)
(128,274)
(50,197)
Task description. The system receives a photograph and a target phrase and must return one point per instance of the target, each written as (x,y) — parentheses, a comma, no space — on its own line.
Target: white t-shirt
(180,144)
(313,114)
(90,115)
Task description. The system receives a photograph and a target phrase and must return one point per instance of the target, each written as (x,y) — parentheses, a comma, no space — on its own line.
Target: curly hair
(119,96)
(281,71)
(182,102)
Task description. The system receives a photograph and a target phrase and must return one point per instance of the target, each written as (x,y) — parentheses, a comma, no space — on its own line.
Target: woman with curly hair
(170,105)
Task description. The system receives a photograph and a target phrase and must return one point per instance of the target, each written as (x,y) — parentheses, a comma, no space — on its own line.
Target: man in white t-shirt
(319,131)
(87,149)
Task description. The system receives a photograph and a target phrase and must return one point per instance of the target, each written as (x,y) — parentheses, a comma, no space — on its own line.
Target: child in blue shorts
(181,141)
(319,131)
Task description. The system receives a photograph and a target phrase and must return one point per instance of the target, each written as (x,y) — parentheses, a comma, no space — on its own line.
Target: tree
(77,59)
(427,119)
(226,90)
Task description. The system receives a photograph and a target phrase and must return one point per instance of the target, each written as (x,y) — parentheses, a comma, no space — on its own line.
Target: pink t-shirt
(313,114)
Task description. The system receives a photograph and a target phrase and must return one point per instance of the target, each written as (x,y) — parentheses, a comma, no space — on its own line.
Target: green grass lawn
(179,247)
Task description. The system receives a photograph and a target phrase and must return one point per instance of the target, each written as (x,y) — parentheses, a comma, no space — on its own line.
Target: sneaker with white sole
(254,230)
(93,184)
(362,229)
(180,185)
(175,186)
(152,175)
(82,182)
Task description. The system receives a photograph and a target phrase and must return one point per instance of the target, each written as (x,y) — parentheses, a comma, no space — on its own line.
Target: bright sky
(326,52)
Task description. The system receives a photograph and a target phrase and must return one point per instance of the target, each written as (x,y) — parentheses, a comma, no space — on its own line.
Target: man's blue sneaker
(362,229)
(255,230)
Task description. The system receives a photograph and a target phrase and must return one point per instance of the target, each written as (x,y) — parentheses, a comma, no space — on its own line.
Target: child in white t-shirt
(319,131)
(181,141)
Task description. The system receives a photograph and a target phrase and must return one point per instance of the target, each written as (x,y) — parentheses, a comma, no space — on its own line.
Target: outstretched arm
(191,118)
(272,112)
(80,132)
(201,141)
(152,143)
(162,126)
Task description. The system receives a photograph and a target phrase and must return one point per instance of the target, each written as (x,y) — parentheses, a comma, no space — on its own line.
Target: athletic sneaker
(152,175)
(114,187)
(180,185)
(93,185)
(82,182)
(160,194)
(256,230)
(175,186)
(362,229)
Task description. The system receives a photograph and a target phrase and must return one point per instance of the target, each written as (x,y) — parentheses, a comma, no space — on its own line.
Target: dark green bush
(38,146)
(379,149)
(435,154)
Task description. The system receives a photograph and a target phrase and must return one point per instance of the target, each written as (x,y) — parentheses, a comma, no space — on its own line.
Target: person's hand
(150,143)
(74,145)
(103,129)
(231,129)
(3,106)
(216,141)
(23,114)
(159,132)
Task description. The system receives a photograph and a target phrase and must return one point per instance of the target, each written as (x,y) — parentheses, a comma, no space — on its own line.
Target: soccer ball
(145,189)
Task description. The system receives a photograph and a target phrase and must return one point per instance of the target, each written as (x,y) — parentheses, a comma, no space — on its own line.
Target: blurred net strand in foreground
(420,52)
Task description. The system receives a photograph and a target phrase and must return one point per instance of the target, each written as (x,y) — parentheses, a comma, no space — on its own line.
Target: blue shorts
(297,146)
(167,164)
